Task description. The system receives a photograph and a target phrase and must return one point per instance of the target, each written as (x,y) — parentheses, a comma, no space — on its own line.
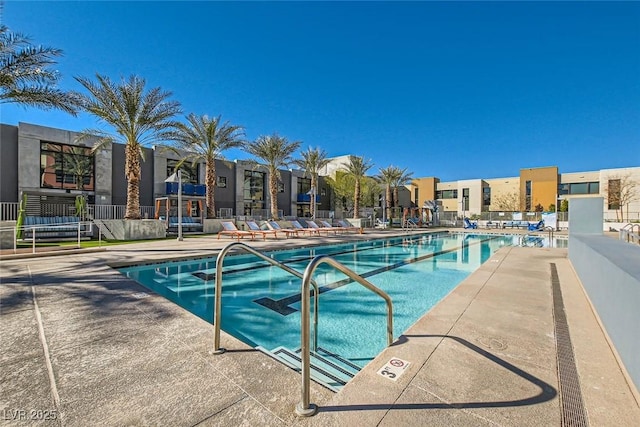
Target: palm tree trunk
(313,196)
(132,172)
(356,200)
(388,202)
(210,180)
(273,192)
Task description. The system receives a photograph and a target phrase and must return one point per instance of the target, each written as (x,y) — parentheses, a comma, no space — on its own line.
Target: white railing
(71,230)
(8,211)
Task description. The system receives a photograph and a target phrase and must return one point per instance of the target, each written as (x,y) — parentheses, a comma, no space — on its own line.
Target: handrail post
(305,408)
(33,241)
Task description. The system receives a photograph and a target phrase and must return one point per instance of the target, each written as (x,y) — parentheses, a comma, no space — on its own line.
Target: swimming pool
(261,303)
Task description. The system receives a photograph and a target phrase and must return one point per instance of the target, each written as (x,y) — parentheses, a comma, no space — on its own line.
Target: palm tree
(402,177)
(138,119)
(357,167)
(26,77)
(276,152)
(312,161)
(387,177)
(205,140)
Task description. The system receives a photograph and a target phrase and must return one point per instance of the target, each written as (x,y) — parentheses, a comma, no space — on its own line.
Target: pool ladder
(627,233)
(304,408)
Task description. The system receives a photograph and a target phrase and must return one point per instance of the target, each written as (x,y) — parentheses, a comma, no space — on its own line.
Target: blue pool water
(261,303)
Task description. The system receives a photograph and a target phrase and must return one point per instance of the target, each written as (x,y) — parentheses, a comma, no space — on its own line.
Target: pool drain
(572,406)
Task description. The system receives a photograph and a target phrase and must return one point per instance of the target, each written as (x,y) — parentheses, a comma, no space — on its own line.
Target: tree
(342,187)
(206,139)
(564,205)
(387,177)
(620,192)
(26,76)
(402,177)
(507,201)
(138,119)
(276,152)
(312,161)
(357,167)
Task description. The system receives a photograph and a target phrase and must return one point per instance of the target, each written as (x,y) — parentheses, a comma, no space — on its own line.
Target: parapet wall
(609,270)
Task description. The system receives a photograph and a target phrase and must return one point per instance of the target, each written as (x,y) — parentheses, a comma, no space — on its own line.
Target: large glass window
(447,194)
(190,172)
(579,188)
(465,199)
(304,185)
(66,167)
(613,194)
(527,194)
(486,196)
(253,190)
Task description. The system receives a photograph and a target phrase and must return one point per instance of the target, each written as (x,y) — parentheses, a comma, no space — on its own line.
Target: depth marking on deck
(394,368)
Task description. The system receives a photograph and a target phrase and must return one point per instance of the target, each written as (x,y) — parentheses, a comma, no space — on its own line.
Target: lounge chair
(470,224)
(287,231)
(381,224)
(348,227)
(254,227)
(317,227)
(337,228)
(536,227)
(229,228)
(310,230)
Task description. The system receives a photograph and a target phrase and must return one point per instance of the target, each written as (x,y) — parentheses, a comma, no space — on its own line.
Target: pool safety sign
(393,368)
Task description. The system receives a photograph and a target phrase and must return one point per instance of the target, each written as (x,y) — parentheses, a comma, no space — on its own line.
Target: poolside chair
(337,228)
(254,227)
(287,231)
(229,228)
(299,227)
(470,224)
(348,227)
(381,224)
(317,227)
(536,227)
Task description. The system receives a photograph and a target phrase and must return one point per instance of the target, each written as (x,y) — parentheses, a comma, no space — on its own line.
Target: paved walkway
(92,347)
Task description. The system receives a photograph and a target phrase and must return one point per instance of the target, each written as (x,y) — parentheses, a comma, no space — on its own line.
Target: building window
(415,196)
(579,188)
(304,185)
(66,167)
(527,196)
(253,191)
(447,194)
(189,172)
(465,199)
(486,196)
(613,194)
(221,181)
(280,187)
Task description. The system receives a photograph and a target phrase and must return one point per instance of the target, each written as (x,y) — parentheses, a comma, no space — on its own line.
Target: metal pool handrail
(304,408)
(218,295)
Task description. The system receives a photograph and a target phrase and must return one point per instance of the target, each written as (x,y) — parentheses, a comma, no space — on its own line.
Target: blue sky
(455,90)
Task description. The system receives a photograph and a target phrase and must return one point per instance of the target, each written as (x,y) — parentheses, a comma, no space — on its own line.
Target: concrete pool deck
(92,347)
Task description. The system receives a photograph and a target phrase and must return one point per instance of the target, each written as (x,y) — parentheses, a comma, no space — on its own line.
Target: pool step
(327,368)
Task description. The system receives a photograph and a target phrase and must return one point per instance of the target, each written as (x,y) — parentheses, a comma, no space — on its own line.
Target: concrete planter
(212,225)
(7,230)
(136,229)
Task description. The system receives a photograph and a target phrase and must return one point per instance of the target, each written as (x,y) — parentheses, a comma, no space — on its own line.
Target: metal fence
(9,212)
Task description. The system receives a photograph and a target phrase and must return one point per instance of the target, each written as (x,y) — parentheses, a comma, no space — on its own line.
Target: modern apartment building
(50,162)
(535,189)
